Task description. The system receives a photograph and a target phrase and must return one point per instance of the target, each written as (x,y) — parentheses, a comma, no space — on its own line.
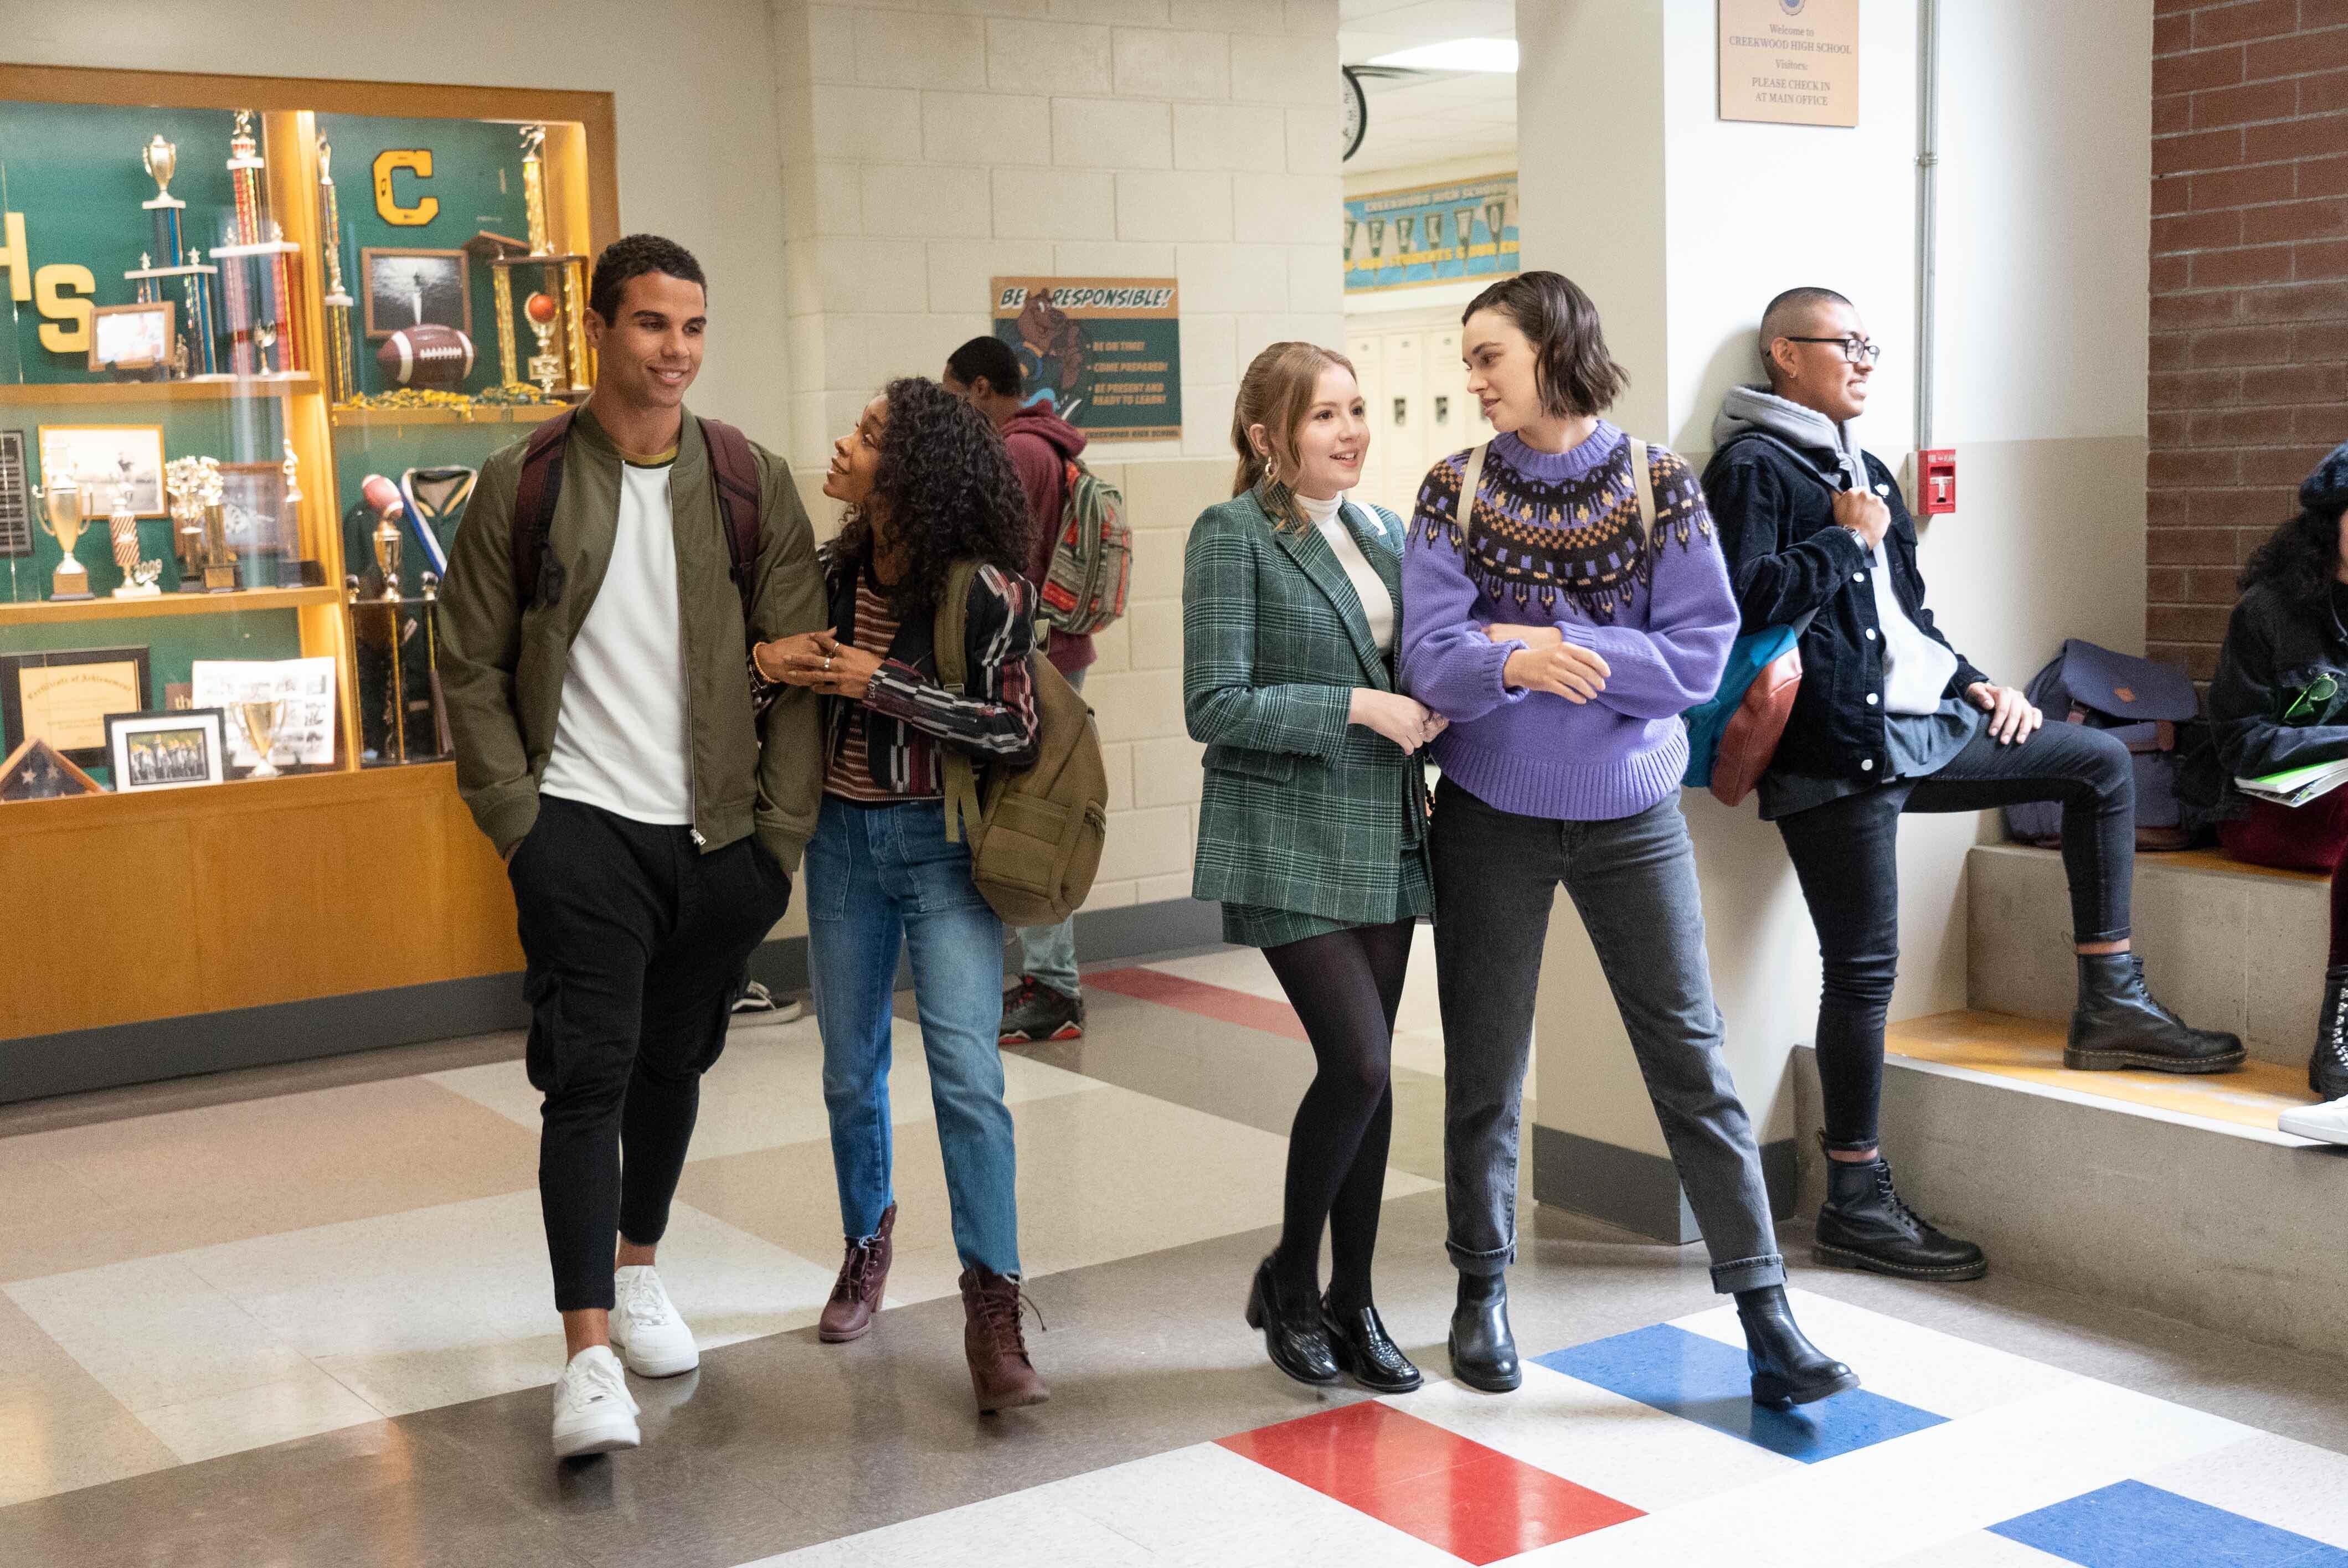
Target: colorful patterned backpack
(1085,589)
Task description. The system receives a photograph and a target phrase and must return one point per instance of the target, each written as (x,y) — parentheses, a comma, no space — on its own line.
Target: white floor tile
(766,1090)
(1632,1453)
(2289,1485)
(1895,1498)
(154,1333)
(434,1306)
(299,1407)
(1980,1549)
(1920,1367)
(1014,1531)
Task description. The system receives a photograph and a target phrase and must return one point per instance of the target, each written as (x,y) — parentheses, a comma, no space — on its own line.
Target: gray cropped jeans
(1634,882)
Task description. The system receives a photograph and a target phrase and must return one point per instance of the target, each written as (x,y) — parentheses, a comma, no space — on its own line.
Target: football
(428,356)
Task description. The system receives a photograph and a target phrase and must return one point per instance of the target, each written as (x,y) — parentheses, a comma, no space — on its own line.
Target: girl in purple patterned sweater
(1563,620)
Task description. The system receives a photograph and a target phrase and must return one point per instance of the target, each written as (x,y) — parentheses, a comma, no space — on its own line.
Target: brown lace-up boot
(855,1294)
(999,1372)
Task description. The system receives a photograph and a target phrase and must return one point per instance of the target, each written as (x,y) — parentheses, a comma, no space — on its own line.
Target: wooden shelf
(48,612)
(480,414)
(24,392)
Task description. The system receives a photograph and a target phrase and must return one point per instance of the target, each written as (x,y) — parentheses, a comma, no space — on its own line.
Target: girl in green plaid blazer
(1311,830)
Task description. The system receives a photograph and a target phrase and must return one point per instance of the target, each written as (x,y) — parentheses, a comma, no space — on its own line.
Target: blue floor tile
(2132,1525)
(1708,1382)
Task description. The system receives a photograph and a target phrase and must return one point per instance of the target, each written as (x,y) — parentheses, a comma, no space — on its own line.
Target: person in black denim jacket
(2279,702)
(1891,719)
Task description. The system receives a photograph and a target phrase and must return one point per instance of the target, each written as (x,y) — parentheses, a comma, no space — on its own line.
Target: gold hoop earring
(1271,469)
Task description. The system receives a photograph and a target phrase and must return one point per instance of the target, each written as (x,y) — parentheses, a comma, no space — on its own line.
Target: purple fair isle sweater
(1554,537)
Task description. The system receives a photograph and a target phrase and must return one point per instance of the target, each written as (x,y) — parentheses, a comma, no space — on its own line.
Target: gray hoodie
(1750,408)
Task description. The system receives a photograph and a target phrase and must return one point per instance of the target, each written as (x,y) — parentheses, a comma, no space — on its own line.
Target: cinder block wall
(2250,293)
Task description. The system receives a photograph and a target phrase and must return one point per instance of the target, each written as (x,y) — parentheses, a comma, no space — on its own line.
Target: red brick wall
(2250,293)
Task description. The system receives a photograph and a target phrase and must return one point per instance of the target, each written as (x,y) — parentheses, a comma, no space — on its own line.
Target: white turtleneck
(1377,604)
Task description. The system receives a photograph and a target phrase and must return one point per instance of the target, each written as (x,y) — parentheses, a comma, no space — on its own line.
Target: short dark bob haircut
(1574,372)
(633,256)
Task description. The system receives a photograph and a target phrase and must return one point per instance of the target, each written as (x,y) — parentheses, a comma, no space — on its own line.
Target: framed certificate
(65,697)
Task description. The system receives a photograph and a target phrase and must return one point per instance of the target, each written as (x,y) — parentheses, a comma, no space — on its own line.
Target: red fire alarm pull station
(1936,487)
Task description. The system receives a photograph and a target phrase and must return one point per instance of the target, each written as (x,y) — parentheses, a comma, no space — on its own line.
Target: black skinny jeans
(636,943)
(1345,987)
(1846,854)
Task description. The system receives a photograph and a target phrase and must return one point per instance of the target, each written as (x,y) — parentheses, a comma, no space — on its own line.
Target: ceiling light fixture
(1495,55)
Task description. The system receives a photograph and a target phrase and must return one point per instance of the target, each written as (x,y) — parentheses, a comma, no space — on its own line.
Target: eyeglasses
(1857,350)
(2323,689)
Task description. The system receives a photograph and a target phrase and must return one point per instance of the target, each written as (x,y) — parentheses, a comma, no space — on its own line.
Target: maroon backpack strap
(535,495)
(736,469)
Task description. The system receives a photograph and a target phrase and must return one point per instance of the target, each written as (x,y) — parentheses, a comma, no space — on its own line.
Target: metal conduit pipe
(1928,160)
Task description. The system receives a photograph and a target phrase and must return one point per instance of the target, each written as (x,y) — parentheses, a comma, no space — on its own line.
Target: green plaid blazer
(1302,810)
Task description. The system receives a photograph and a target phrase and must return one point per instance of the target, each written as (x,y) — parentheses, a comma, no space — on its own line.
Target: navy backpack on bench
(2142,704)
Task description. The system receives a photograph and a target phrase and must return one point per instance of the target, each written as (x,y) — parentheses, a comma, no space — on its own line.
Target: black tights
(1345,987)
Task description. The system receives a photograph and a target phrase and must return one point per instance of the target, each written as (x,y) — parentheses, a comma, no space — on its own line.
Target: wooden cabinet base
(130,907)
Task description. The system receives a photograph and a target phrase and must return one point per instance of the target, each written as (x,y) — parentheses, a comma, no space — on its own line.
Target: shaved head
(1793,313)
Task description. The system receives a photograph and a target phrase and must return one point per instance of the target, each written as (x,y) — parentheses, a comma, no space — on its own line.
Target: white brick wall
(931,145)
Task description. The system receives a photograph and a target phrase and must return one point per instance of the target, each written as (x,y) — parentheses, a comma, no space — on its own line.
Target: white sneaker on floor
(2326,1123)
(593,1411)
(645,1328)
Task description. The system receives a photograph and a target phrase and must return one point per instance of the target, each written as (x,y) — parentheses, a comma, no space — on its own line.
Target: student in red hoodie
(1048,1003)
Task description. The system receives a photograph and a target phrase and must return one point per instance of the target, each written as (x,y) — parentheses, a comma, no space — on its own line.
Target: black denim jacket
(2269,708)
(1774,510)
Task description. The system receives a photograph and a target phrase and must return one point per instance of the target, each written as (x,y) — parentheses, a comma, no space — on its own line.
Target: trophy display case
(264,333)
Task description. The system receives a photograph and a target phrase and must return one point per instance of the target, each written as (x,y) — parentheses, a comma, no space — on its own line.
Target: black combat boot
(1483,1349)
(2327,1070)
(1864,1224)
(1787,1369)
(2119,1024)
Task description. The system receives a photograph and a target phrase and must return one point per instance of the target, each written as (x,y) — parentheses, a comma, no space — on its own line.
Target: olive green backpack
(1036,840)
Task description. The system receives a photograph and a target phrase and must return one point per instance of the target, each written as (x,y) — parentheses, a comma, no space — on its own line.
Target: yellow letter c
(418,161)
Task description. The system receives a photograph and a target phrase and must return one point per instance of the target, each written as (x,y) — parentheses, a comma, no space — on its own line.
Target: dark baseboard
(1639,1192)
(36,1067)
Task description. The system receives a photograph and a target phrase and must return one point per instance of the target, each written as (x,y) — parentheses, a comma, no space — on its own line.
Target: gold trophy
(64,509)
(260,718)
(220,556)
(191,484)
(138,577)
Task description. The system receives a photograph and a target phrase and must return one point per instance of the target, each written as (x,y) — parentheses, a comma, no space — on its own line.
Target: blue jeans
(1049,953)
(879,877)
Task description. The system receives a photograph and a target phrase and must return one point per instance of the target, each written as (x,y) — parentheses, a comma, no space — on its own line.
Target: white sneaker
(593,1411)
(645,1328)
(2326,1123)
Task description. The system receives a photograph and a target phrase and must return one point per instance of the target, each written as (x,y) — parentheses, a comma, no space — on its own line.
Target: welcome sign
(1789,62)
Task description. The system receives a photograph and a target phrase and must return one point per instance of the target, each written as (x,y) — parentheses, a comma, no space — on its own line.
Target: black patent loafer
(1293,1335)
(1363,1351)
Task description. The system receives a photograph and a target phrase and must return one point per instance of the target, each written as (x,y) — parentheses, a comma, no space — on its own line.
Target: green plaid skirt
(1261,926)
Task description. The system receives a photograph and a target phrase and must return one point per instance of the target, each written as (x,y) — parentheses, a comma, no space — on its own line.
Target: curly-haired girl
(928,485)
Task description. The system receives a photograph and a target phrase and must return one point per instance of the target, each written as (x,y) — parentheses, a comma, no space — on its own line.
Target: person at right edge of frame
(650,822)
(1891,719)
(1563,603)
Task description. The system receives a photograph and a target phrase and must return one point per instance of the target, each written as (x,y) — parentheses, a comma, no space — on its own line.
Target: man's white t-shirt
(619,741)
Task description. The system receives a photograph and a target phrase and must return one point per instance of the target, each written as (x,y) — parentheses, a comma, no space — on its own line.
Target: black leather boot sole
(1299,1347)
(1779,1394)
(2114,1061)
(1846,1258)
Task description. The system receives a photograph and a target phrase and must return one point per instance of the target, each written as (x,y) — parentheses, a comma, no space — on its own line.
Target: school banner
(1108,350)
(1431,234)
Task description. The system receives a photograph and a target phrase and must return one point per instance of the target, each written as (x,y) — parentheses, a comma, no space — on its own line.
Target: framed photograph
(252,503)
(15,499)
(306,687)
(35,770)
(65,697)
(416,288)
(131,337)
(166,750)
(91,454)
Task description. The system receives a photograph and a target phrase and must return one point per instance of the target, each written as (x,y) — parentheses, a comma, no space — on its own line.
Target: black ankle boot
(1864,1224)
(1787,1369)
(2119,1024)
(1483,1350)
(1359,1339)
(2327,1070)
(1292,1333)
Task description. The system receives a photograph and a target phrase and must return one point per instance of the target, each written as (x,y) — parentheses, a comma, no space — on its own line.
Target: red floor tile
(1474,1502)
(1219,1002)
